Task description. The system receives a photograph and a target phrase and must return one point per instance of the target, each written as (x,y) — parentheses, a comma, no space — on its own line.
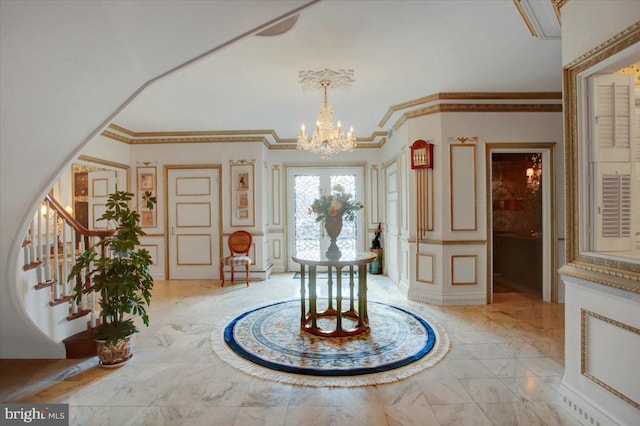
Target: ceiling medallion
(326,140)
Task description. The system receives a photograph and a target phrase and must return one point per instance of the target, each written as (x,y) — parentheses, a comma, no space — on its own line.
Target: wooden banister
(72,222)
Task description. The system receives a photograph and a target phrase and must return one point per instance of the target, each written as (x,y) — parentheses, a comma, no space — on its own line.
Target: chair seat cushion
(236,260)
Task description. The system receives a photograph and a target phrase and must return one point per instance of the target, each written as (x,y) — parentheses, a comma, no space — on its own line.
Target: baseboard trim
(582,409)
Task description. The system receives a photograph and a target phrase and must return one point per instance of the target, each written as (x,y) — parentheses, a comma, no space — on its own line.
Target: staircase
(49,251)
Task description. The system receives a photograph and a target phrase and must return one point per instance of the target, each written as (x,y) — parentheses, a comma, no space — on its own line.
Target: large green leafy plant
(121,276)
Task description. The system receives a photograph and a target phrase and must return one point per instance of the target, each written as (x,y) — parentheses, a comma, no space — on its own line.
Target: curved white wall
(65,68)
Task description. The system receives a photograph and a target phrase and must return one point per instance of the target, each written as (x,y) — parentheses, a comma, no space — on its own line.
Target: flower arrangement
(337,203)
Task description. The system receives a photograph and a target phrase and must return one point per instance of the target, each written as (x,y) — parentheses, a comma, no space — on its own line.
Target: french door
(304,185)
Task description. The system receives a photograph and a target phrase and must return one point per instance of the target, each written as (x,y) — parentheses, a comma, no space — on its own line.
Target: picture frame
(81,184)
(147,218)
(242,181)
(243,200)
(242,197)
(146,181)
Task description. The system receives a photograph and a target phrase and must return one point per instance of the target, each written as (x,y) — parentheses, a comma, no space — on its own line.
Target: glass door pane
(349,236)
(307,232)
(305,185)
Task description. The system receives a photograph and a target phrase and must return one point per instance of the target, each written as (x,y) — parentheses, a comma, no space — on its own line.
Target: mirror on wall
(602,143)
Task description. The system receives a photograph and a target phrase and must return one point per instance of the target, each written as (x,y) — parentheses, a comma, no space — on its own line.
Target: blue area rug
(267,342)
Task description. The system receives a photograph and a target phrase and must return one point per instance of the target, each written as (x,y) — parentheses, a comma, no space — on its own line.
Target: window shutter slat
(616,205)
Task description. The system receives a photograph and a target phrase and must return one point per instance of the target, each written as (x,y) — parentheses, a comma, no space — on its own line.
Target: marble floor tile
(505,363)
(477,351)
(223,394)
(488,390)
(365,395)
(511,414)
(507,368)
(520,350)
(361,415)
(176,394)
(534,388)
(212,416)
(311,416)
(407,415)
(405,392)
(460,415)
(311,397)
(154,416)
(468,369)
(266,394)
(546,366)
(258,416)
(109,416)
(445,391)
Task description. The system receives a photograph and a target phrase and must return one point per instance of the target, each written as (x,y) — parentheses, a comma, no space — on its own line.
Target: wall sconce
(421,155)
(530,174)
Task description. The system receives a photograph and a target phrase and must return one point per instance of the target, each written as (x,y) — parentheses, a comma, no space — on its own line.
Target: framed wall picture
(243,200)
(146,181)
(81,184)
(242,181)
(146,218)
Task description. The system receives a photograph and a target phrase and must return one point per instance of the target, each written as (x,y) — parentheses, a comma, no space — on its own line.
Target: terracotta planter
(333,225)
(115,355)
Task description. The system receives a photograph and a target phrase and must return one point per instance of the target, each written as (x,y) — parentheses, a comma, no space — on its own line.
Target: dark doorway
(517,223)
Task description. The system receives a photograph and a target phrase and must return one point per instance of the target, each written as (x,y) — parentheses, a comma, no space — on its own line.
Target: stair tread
(83,335)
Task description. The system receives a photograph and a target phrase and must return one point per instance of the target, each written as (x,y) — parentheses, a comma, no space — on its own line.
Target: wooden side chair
(239,246)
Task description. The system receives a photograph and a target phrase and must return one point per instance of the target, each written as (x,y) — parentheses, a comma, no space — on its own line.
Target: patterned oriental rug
(267,342)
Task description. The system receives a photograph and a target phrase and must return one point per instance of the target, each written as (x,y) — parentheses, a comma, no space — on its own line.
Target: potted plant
(118,272)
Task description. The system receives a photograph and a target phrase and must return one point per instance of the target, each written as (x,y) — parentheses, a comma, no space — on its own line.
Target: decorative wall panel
(600,348)
(276,203)
(242,193)
(462,169)
(464,269)
(147,181)
(424,268)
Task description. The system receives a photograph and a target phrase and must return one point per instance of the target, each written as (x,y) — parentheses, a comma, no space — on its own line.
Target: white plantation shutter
(613,230)
(615,151)
(613,107)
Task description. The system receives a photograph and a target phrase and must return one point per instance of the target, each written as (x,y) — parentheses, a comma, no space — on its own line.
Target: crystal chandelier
(325,140)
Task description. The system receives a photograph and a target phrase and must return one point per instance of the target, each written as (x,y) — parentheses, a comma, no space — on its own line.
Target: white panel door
(101,184)
(193,218)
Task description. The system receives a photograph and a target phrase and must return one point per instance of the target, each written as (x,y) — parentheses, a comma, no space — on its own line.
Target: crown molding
(431,104)
(469,96)
(268,137)
(440,108)
(615,44)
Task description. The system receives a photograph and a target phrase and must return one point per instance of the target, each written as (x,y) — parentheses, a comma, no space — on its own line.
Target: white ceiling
(399,51)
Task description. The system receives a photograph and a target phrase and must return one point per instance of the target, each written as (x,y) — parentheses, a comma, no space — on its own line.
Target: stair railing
(50,248)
